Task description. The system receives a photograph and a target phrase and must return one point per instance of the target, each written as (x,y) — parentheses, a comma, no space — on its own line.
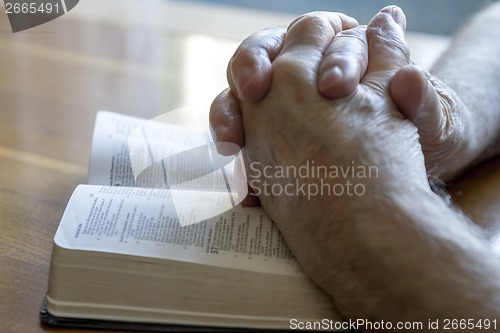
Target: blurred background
(431,16)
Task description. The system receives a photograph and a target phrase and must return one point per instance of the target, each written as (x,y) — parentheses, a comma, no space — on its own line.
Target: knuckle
(350,41)
(265,37)
(310,23)
(331,61)
(245,56)
(357,33)
(258,45)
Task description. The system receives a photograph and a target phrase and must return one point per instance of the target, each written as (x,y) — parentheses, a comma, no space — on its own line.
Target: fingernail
(219,133)
(330,79)
(243,78)
(398,16)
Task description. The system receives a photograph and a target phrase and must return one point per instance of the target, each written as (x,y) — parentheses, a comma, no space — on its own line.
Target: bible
(122,259)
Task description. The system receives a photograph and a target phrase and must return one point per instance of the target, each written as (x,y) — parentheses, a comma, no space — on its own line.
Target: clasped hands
(330,92)
(342,66)
(335,90)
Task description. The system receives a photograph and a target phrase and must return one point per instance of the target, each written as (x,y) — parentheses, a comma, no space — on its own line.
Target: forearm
(409,257)
(471,66)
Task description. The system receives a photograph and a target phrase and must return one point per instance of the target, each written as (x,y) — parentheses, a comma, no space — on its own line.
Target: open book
(121,255)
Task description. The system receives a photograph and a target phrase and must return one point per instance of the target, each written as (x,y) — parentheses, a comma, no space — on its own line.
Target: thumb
(441,119)
(387,48)
(418,101)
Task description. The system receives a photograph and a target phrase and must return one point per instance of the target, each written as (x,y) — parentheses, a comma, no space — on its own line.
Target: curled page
(175,152)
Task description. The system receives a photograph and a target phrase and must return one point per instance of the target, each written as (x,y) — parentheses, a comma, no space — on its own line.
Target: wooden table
(139,58)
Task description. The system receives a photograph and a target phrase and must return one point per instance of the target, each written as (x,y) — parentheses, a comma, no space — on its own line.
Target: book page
(109,158)
(112,163)
(142,222)
(172,151)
